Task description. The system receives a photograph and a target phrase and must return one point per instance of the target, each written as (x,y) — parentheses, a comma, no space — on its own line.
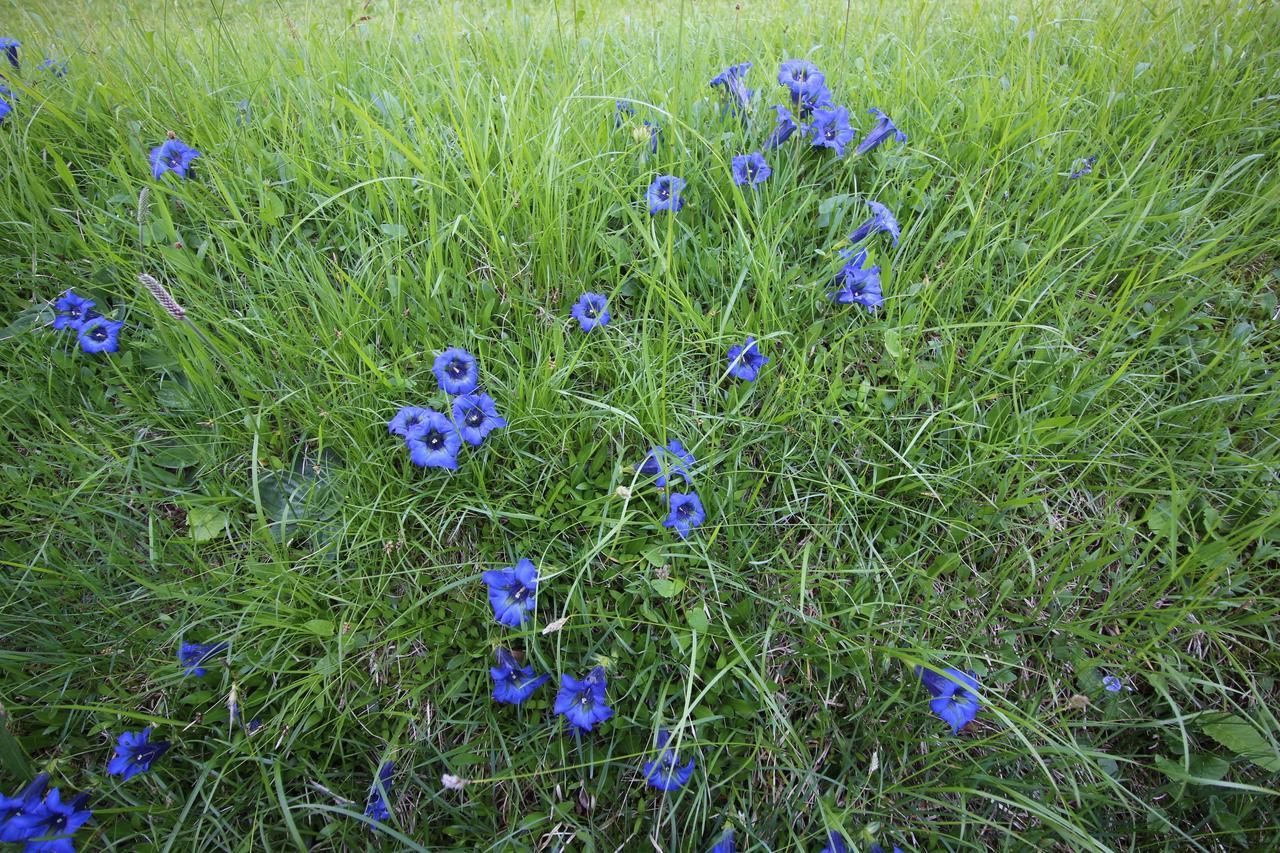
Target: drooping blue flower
(856,283)
(409,420)
(457,371)
(9,46)
(795,74)
(664,194)
(665,772)
(955,695)
(49,829)
(17,813)
(667,463)
(73,310)
(53,66)
(193,656)
(831,129)
(733,82)
(725,844)
(583,702)
(476,415)
(621,109)
(513,592)
(172,155)
(1082,167)
(685,512)
(135,753)
(513,683)
(591,310)
(745,360)
(882,219)
(750,169)
(883,130)
(378,804)
(835,843)
(786,126)
(1112,684)
(98,334)
(434,443)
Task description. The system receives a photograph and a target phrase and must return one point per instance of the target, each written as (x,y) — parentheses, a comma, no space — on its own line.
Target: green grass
(1051,456)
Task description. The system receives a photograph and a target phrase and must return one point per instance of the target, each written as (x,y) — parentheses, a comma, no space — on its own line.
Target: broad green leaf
(319,627)
(1239,735)
(206,522)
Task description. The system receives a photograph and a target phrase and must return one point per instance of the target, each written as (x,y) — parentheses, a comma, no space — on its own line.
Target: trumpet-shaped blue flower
(73,310)
(665,772)
(49,829)
(955,695)
(408,421)
(435,443)
(786,126)
(668,463)
(193,656)
(19,812)
(172,155)
(583,702)
(684,513)
(795,74)
(858,284)
(883,129)
(745,360)
(591,310)
(378,804)
(733,83)
(513,683)
(725,844)
(831,129)
(1082,167)
(664,194)
(811,97)
(476,415)
(654,131)
(5,107)
(513,592)
(835,843)
(135,753)
(9,47)
(457,371)
(621,110)
(750,169)
(98,334)
(882,219)
(876,848)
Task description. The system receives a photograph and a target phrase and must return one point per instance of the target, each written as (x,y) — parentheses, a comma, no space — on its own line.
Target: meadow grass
(1051,456)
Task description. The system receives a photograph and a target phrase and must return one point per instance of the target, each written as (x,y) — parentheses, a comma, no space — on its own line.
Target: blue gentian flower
(172,155)
(882,219)
(883,130)
(814,95)
(98,334)
(665,772)
(1112,684)
(750,169)
(621,109)
(513,683)
(876,848)
(54,823)
(18,812)
(409,420)
(668,463)
(733,80)
(5,108)
(378,805)
(1082,167)
(73,310)
(685,512)
(664,194)
(513,592)
(193,656)
(9,47)
(745,360)
(786,126)
(835,843)
(854,283)
(655,130)
(135,753)
(591,310)
(476,415)
(831,129)
(955,695)
(725,844)
(795,74)
(434,443)
(457,371)
(54,67)
(583,702)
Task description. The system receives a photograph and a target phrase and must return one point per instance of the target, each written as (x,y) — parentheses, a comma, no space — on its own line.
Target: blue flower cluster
(94,332)
(432,438)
